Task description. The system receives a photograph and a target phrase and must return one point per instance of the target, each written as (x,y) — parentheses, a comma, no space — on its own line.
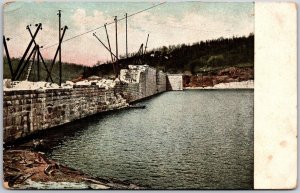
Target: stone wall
(174,82)
(28,111)
(161,81)
(141,82)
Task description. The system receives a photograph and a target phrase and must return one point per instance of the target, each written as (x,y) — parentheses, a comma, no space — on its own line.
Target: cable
(184,27)
(16,35)
(103,26)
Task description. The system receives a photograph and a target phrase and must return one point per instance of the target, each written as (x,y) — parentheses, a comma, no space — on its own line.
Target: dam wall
(140,82)
(174,82)
(161,81)
(28,111)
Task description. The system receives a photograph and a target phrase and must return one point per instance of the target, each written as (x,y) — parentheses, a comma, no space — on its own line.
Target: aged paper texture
(275,117)
(219,148)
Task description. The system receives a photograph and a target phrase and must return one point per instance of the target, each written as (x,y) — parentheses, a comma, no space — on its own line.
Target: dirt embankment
(232,74)
(24,169)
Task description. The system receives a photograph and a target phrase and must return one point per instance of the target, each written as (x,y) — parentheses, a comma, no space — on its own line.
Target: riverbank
(230,85)
(26,169)
(227,75)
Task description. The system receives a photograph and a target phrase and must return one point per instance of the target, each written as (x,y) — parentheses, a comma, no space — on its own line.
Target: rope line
(103,26)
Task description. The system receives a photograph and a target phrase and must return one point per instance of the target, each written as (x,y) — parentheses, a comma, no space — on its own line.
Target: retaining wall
(161,81)
(174,82)
(28,111)
(149,82)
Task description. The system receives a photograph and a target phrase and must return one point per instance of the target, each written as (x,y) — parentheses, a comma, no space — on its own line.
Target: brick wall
(28,111)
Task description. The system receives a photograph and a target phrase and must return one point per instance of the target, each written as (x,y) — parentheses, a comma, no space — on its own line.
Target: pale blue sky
(168,24)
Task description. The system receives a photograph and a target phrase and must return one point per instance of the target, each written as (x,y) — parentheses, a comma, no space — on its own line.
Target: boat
(137,106)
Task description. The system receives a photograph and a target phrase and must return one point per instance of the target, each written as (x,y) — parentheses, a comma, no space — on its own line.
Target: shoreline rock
(230,85)
(24,169)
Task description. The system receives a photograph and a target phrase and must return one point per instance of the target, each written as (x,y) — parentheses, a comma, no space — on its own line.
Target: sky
(171,23)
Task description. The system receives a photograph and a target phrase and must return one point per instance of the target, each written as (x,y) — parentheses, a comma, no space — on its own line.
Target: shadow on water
(55,136)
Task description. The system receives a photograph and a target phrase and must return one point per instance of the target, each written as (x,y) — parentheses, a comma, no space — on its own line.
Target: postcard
(152,95)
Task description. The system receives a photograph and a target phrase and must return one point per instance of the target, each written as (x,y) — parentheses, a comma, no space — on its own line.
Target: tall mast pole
(146,44)
(39,26)
(7,56)
(116,24)
(112,58)
(108,50)
(117,59)
(59,37)
(41,57)
(94,34)
(126,37)
(38,63)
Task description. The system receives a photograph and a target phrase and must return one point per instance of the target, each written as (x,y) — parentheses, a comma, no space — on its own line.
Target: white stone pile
(27,85)
(102,83)
(230,85)
(238,85)
(68,84)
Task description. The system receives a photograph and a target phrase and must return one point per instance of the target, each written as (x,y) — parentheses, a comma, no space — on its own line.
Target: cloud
(82,21)
(164,29)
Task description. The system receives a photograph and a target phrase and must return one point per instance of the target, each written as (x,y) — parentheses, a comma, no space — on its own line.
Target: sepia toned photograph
(128,95)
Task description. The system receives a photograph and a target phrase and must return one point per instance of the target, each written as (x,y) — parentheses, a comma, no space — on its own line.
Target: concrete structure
(174,82)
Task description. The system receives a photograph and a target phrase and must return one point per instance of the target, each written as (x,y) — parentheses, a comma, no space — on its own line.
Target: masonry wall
(150,83)
(161,81)
(28,111)
(174,82)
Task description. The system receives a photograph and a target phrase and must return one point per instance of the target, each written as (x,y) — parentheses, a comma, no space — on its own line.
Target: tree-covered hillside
(69,70)
(199,57)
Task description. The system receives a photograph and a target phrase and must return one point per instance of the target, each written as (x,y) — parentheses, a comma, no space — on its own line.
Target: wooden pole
(112,58)
(126,37)
(59,55)
(116,24)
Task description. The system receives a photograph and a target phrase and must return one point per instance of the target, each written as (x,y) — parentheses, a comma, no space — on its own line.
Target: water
(182,140)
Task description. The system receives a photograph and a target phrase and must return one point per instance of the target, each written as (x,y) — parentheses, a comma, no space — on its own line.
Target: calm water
(182,140)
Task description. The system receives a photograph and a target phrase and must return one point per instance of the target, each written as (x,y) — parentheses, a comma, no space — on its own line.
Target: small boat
(137,106)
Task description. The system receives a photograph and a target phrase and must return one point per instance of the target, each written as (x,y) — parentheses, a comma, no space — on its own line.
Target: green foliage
(198,57)
(204,56)
(69,70)
(217,60)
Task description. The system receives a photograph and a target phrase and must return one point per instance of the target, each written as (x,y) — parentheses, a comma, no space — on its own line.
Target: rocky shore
(213,79)
(230,85)
(26,169)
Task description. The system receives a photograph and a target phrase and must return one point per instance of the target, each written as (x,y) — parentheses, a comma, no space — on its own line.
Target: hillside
(204,58)
(69,70)
(200,57)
